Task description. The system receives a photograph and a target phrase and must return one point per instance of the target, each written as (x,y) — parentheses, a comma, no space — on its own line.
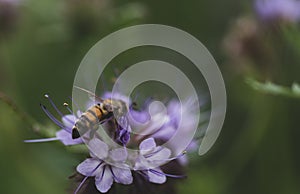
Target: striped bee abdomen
(89,120)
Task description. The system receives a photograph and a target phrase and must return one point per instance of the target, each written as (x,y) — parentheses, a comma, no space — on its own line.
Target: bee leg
(92,133)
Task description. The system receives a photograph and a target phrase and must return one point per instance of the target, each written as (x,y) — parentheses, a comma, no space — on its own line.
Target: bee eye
(104,107)
(98,104)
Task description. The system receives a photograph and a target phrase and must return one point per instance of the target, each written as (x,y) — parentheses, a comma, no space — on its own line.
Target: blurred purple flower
(163,125)
(278,9)
(117,96)
(12,2)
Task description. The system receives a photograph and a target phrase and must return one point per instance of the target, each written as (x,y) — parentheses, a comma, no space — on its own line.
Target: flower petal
(147,145)
(118,155)
(66,138)
(166,132)
(138,117)
(141,163)
(88,166)
(157,121)
(158,178)
(98,148)
(105,180)
(68,121)
(162,154)
(122,175)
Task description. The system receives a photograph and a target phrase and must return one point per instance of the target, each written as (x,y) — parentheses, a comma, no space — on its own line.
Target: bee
(106,110)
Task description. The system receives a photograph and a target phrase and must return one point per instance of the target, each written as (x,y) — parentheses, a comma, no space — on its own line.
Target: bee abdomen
(88,120)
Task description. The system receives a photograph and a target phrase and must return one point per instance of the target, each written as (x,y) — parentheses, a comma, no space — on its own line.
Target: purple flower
(178,113)
(278,9)
(105,174)
(11,2)
(146,123)
(110,163)
(65,134)
(151,157)
(162,125)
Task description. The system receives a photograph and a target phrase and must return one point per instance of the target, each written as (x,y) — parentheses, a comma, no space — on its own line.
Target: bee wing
(91,94)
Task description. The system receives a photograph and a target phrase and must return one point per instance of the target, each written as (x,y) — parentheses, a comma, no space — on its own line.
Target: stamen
(68,108)
(77,106)
(41,140)
(58,111)
(69,120)
(143,174)
(147,102)
(53,104)
(123,136)
(174,158)
(80,185)
(165,174)
(85,178)
(57,122)
(152,153)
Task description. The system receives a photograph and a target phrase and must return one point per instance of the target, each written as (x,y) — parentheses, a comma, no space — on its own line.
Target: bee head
(108,107)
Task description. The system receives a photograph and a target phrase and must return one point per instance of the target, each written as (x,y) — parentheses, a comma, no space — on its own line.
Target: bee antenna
(89,92)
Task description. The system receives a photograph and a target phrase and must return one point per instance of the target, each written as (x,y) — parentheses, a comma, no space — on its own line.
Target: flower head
(112,161)
(152,155)
(105,174)
(178,118)
(278,9)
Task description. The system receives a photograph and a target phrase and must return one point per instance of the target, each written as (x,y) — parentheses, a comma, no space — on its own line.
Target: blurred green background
(43,42)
